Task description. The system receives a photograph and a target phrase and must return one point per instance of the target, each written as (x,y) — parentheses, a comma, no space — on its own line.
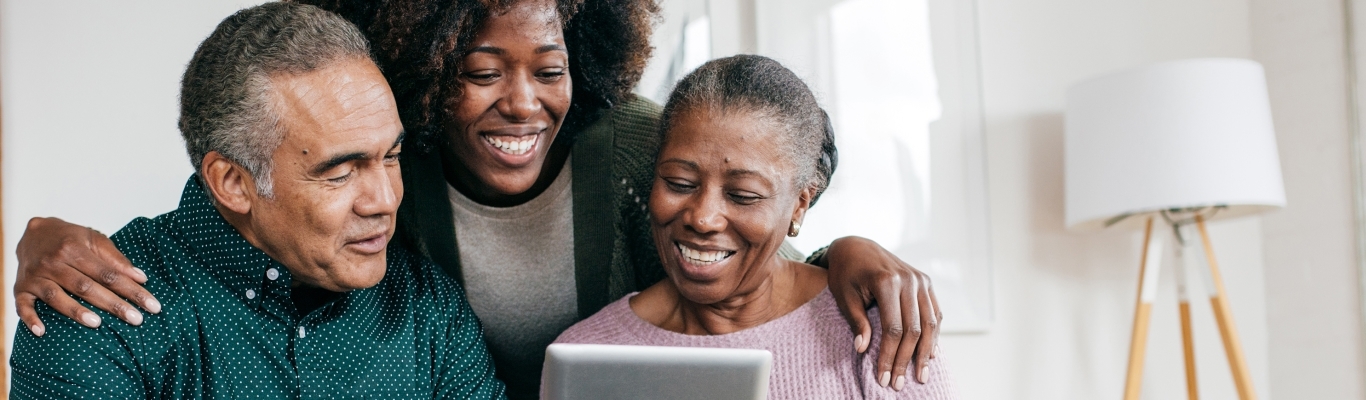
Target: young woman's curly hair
(419,44)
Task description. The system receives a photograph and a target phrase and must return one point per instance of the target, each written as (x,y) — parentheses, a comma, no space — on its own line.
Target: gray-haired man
(275,273)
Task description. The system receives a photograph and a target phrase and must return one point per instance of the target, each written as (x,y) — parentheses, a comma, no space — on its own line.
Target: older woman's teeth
(514,146)
(703,257)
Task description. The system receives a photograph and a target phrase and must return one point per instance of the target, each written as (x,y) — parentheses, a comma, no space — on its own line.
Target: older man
(275,273)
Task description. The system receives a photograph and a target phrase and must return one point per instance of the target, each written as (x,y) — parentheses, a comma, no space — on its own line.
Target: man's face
(336,176)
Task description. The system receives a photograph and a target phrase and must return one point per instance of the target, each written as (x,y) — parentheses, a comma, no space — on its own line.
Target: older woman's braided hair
(419,44)
(764,88)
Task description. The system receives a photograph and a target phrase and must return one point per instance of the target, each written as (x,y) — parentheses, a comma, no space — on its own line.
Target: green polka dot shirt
(229,329)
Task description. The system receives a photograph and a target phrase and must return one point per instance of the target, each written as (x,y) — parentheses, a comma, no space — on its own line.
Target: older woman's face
(723,197)
(516,90)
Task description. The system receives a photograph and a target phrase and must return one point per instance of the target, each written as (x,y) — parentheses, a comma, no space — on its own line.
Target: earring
(794,229)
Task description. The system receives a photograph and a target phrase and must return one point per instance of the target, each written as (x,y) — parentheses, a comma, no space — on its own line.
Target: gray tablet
(593,371)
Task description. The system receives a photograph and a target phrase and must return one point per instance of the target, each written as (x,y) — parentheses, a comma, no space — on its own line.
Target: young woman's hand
(863,274)
(57,258)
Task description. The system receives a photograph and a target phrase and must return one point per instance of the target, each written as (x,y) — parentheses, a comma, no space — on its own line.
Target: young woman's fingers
(910,315)
(113,271)
(852,306)
(109,255)
(23,303)
(929,325)
(893,330)
(938,318)
(77,283)
(65,305)
(55,255)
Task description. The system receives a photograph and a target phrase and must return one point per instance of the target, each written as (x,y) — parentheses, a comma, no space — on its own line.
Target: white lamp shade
(1177,134)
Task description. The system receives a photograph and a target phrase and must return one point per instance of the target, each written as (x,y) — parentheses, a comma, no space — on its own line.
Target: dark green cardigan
(613,171)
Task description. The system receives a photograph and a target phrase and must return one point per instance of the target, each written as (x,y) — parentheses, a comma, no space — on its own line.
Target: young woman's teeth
(703,257)
(512,146)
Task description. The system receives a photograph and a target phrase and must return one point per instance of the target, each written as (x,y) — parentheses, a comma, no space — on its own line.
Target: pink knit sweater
(813,351)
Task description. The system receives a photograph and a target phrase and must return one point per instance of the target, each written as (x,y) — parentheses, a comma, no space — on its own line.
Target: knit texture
(813,352)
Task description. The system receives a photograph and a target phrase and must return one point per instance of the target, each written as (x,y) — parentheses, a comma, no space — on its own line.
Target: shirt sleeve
(464,367)
(73,362)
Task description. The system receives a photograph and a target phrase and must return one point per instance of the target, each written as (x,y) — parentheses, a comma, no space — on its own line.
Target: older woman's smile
(703,257)
(702,263)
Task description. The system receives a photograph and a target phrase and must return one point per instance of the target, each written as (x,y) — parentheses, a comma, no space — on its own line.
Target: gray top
(518,268)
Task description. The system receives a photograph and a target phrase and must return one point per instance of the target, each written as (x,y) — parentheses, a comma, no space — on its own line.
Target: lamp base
(1149,268)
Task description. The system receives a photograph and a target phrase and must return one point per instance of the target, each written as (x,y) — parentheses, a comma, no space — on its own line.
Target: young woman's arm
(58,259)
(863,274)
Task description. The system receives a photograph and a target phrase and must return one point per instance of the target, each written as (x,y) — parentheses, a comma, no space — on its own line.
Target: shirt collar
(218,246)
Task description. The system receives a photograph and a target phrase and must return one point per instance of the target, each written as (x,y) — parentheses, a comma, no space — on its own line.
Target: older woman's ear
(803,203)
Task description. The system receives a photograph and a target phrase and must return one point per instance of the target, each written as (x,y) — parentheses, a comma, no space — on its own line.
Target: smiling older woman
(746,151)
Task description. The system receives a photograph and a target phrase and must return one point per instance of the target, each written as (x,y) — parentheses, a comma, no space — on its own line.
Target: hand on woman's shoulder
(938,382)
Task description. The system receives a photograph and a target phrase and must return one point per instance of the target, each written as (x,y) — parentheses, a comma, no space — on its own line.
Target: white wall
(1311,271)
(90,106)
(1064,301)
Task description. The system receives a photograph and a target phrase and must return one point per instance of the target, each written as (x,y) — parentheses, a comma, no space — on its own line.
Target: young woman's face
(515,92)
(723,197)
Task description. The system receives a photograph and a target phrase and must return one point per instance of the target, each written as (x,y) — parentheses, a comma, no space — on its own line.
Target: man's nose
(380,195)
(519,101)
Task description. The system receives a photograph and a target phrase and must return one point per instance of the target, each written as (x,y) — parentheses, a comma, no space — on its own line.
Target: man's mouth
(703,257)
(371,245)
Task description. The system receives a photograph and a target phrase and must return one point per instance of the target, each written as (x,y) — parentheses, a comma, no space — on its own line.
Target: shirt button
(272,274)
(251,294)
(302,332)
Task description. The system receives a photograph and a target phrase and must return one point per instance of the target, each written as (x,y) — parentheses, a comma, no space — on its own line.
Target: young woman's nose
(519,101)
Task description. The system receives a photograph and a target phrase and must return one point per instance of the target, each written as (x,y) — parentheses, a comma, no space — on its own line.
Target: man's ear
(229,184)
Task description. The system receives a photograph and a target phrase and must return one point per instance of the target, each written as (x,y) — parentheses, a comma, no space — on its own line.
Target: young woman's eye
(551,75)
(482,77)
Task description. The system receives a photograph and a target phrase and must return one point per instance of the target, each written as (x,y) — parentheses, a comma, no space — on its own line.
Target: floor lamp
(1171,146)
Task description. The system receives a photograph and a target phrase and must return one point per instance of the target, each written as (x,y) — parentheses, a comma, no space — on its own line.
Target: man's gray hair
(226,97)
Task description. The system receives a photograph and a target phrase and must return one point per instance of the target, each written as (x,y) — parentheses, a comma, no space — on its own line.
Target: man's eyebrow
(349,157)
(336,160)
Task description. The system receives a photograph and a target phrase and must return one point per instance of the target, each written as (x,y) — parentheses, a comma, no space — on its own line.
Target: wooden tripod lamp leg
(1147,290)
(1187,338)
(1242,379)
